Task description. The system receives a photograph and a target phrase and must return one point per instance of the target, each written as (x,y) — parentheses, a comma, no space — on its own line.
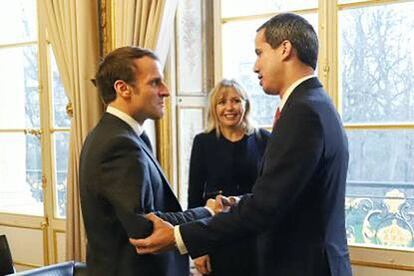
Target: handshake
(163,236)
(221,203)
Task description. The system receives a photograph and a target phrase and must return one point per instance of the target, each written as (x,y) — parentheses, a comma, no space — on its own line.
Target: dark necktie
(146,140)
(276,117)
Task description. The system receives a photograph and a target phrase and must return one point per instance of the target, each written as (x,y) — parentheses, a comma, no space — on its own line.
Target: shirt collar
(138,129)
(290,90)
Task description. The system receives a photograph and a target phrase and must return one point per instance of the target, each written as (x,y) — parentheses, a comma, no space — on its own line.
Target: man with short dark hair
(120,179)
(297,204)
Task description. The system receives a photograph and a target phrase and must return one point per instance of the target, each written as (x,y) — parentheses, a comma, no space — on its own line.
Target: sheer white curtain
(72,27)
(148,24)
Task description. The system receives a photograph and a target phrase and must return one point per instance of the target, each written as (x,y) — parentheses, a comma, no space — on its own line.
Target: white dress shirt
(290,89)
(126,118)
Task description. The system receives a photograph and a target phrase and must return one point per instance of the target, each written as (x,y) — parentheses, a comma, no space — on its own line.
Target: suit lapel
(298,92)
(301,89)
(152,158)
(139,141)
(144,145)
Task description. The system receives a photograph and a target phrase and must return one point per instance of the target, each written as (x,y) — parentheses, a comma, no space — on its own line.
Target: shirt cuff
(179,241)
(210,211)
(234,199)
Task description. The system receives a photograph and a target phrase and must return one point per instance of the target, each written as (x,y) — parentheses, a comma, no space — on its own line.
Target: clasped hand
(221,203)
(162,238)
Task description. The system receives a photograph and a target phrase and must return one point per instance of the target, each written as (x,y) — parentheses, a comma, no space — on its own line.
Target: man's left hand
(161,240)
(219,204)
(203,264)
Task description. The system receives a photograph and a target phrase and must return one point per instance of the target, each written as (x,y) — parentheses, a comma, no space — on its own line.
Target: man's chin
(157,116)
(270,91)
(267,91)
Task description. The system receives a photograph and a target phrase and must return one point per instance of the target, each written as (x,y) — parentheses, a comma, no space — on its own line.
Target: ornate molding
(385,221)
(106,26)
(165,141)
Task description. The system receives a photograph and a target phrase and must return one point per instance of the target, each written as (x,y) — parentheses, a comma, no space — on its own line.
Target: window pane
(17,21)
(59,99)
(19,85)
(238,61)
(232,8)
(61,142)
(191,123)
(377,64)
(21,174)
(190,49)
(380,192)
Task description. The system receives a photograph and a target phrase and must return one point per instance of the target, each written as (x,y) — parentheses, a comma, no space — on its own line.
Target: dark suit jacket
(217,164)
(119,181)
(297,202)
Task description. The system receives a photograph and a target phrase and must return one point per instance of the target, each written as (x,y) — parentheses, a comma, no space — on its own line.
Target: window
(26,118)
(21,162)
(193,81)
(60,137)
(34,132)
(376,78)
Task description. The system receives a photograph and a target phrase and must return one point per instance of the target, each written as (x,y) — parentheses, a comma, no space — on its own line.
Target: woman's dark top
(218,164)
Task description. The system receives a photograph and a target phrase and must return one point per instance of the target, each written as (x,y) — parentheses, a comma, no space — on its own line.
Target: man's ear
(287,49)
(122,89)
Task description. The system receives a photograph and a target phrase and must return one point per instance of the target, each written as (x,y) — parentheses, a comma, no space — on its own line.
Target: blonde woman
(225,160)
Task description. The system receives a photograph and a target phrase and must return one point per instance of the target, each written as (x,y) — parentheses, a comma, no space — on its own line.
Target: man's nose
(164,91)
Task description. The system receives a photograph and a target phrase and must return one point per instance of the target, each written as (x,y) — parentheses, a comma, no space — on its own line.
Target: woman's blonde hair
(212,118)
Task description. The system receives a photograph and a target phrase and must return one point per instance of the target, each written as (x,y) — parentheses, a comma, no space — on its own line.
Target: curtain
(72,28)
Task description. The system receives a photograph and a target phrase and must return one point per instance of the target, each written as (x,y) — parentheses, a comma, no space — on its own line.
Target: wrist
(178,241)
(210,210)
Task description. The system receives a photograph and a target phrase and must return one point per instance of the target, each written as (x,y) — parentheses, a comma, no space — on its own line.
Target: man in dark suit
(120,179)
(297,204)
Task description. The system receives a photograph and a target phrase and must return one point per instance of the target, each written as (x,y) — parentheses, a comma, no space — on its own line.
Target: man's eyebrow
(157,79)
